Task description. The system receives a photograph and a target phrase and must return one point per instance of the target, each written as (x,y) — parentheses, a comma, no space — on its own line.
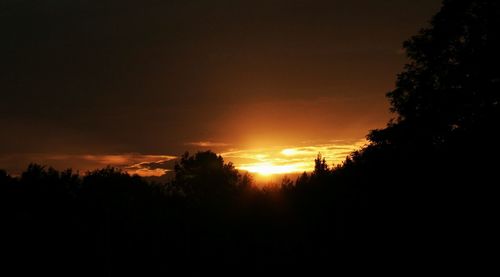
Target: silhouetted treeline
(108,221)
(423,188)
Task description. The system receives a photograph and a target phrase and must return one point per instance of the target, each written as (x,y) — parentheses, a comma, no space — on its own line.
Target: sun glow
(266,169)
(292,159)
(289,152)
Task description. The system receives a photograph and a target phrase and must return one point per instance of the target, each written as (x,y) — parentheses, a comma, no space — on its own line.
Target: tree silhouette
(320,166)
(451,82)
(204,174)
(431,158)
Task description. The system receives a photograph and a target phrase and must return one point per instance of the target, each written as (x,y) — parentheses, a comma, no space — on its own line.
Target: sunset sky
(267,84)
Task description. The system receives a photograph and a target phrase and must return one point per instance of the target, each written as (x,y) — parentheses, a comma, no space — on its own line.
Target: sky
(134,84)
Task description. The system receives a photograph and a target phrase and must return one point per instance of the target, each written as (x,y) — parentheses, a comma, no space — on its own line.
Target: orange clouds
(133,163)
(208,144)
(264,161)
(291,159)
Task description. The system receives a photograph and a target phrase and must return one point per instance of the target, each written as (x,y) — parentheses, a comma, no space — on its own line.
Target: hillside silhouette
(422,187)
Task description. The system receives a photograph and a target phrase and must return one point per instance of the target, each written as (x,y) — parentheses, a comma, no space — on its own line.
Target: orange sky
(90,83)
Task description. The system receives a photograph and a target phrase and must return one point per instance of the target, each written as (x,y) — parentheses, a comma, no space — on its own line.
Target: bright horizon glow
(267,169)
(263,162)
(289,152)
(291,159)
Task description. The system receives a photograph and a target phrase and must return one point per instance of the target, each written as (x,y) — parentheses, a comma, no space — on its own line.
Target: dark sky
(82,77)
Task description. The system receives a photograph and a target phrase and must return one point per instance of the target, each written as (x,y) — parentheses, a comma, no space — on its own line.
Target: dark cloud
(148,76)
(167,165)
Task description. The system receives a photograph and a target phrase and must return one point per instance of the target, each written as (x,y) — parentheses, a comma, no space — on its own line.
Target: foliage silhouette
(205,175)
(431,166)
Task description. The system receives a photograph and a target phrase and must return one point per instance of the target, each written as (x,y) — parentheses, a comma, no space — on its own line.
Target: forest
(420,193)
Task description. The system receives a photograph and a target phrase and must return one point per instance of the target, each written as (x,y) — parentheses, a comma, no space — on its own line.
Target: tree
(204,174)
(435,157)
(320,166)
(452,81)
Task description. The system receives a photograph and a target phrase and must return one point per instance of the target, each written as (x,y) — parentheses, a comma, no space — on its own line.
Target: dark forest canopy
(423,185)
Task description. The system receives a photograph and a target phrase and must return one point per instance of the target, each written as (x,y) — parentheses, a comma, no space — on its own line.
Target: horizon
(263,164)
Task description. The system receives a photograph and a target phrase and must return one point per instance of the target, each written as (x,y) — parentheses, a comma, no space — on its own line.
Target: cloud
(273,160)
(155,168)
(126,159)
(133,163)
(208,144)
(163,164)
(290,159)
